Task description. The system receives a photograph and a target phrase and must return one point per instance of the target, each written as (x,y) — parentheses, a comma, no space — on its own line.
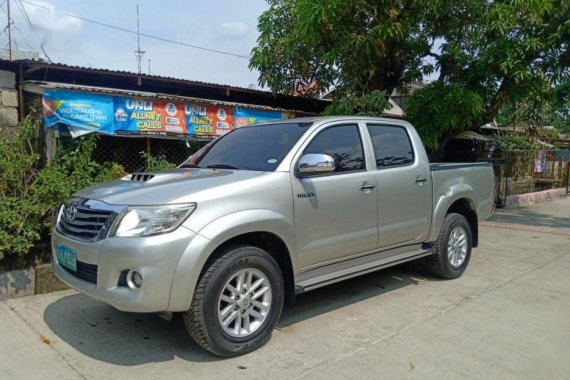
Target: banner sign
(208,120)
(91,112)
(85,112)
(147,117)
(244,116)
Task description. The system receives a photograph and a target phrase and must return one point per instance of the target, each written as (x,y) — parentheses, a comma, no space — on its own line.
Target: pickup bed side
(462,188)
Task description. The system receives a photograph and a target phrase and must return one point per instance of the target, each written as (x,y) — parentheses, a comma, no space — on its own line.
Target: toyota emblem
(70,212)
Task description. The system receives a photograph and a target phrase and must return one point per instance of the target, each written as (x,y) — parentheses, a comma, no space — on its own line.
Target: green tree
(510,53)
(486,56)
(559,112)
(359,48)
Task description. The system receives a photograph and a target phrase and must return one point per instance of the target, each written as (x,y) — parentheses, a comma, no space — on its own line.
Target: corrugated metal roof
(116,91)
(125,72)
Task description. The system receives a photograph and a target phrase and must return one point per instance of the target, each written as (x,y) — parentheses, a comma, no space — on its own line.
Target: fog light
(136,279)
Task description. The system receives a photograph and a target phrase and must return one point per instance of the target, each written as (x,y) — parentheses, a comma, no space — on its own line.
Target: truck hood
(163,187)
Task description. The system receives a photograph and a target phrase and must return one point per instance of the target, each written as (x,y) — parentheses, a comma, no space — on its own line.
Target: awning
(470,135)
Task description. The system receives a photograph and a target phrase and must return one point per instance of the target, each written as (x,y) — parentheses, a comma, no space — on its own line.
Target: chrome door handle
(367,186)
(420,179)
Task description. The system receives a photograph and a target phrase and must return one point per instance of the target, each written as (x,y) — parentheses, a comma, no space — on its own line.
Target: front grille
(86,272)
(83,222)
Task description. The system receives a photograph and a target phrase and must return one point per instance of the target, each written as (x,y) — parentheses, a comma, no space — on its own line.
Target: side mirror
(316,163)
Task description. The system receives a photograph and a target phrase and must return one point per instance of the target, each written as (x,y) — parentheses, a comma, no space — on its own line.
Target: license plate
(66,257)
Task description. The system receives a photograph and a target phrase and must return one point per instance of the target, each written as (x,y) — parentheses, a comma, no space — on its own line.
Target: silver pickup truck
(267,212)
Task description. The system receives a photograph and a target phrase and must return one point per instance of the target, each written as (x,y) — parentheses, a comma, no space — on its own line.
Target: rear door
(403,183)
(335,213)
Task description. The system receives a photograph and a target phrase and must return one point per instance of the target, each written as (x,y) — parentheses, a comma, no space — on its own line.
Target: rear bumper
(155,257)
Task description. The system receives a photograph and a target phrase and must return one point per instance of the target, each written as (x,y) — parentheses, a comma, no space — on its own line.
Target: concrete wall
(27,282)
(46,281)
(536,197)
(8,103)
(521,185)
(17,283)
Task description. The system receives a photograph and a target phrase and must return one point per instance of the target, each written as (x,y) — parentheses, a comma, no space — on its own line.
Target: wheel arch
(270,243)
(466,207)
(265,229)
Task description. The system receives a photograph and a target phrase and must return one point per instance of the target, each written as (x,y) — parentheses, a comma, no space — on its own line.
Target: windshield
(260,148)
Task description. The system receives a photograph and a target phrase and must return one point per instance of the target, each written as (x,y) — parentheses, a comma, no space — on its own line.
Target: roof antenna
(139,53)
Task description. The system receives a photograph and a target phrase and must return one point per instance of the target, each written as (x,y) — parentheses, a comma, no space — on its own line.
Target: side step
(358,270)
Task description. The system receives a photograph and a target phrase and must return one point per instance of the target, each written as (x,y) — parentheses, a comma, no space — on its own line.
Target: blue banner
(92,112)
(245,116)
(85,112)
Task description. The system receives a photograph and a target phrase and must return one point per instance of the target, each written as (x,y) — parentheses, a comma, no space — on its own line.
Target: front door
(335,213)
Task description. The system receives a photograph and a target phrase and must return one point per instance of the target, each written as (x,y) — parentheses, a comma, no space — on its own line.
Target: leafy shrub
(30,195)
(156,163)
(20,213)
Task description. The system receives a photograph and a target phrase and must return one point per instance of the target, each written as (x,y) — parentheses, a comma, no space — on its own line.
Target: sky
(216,24)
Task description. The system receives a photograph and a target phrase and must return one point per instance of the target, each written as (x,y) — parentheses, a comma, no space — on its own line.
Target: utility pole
(9,32)
(149,66)
(139,53)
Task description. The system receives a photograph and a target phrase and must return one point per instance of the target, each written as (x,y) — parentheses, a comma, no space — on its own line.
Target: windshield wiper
(222,166)
(188,166)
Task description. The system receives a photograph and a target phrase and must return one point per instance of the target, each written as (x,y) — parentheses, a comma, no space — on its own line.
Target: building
(133,112)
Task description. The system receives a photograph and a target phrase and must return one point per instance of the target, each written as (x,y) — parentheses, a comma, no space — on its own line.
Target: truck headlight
(153,220)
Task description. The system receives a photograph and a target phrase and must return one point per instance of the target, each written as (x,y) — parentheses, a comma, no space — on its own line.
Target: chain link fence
(129,151)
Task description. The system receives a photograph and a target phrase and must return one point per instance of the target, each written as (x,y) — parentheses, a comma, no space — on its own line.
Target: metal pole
(568,176)
(147,151)
(9,31)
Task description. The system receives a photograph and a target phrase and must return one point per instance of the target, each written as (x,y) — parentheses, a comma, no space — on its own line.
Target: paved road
(508,317)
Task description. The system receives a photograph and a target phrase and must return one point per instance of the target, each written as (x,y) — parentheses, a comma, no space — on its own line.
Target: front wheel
(452,247)
(237,302)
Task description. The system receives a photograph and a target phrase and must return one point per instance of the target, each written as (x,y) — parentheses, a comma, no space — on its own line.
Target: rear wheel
(452,247)
(237,302)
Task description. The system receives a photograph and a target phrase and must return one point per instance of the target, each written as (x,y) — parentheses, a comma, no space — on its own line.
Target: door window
(342,143)
(392,146)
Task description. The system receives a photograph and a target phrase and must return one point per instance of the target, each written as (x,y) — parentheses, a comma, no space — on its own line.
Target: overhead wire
(23,37)
(13,24)
(163,39)
(28,21)
(24,13)
(10,22)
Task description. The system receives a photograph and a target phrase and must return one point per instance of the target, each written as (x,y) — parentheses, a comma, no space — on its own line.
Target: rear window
(392,146)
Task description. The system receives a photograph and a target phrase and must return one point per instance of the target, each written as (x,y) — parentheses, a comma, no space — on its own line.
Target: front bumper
(155,257)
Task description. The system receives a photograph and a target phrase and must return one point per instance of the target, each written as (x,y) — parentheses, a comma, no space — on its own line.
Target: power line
(16,27)
(30,26)
(24,38)
(142,34)
(24,13)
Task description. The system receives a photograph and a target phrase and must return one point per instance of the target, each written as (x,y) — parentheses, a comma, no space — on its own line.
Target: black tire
(201,319)
(440,263)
